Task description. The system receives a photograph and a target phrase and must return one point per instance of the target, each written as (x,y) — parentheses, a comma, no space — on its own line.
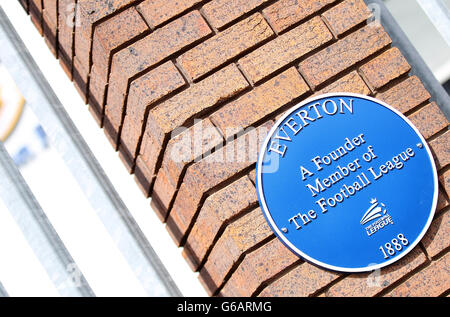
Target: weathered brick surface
(35,9)
(349,83)
(172,114)
(429,120)
(252,176)
(441,149)
(144,92)
(108,37)
(436,238)
(346,15)
(24,4)
(285,49)
(88,13)
(445,181)
(257,268)
(238,238)
(50,24)
(312,279)
(145,53)
(370,284)
(154,66)
(211,171)
(431,281)
(224,46)
(406,95)
(157,12)
(284,13)
(343,54)
(222,12)
(384,68)
(263,100)
(218,210)
(442,200)
(181,151)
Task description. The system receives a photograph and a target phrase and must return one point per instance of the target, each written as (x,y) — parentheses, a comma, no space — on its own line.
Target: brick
(263,100)
(50,8)
(217,211)
(144,92)
(436,239)
(252,176)
(352,83)
(157,12)
(405,95)
(88,12)
(226,45)
(258,268)
(173,113)
(222,12)
(211,171)
(97,87)
(238,238)
(441,150)
(430,282)
(343,54)
(182,150)
(66,21)
(370,284)
(24,4)
(285,49)
(145,53)
(80,78)
(346,15)
(305,280)
(429,120)
(384,68)
(445,181)
(442,200)
(284,13)
(36,14)
(108,37)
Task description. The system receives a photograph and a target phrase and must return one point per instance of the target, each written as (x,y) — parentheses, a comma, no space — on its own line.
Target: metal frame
(439,15)
(418,66)
(67,141)
(37,229)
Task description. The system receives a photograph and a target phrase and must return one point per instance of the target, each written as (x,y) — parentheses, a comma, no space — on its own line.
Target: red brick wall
(148,68)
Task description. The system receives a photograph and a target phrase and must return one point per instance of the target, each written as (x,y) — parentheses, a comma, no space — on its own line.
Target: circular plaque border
(286,241)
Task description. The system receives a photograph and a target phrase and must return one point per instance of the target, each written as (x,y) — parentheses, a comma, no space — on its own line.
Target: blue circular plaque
(347,182)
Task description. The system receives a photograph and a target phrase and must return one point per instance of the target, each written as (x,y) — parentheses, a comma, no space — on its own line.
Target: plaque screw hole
(284,230)
(419,145)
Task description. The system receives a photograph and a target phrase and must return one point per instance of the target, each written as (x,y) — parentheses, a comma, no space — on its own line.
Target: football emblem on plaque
(347,182)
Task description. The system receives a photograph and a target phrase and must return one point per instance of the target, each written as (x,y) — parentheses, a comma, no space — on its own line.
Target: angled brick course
(219,209)
(285,13)
(156,12)
(343,54)
(180,87)
(431,281)
(144,54)
(226,45)
(346,15)
(263,100)
(222,12)
(384,68)
(108,37)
